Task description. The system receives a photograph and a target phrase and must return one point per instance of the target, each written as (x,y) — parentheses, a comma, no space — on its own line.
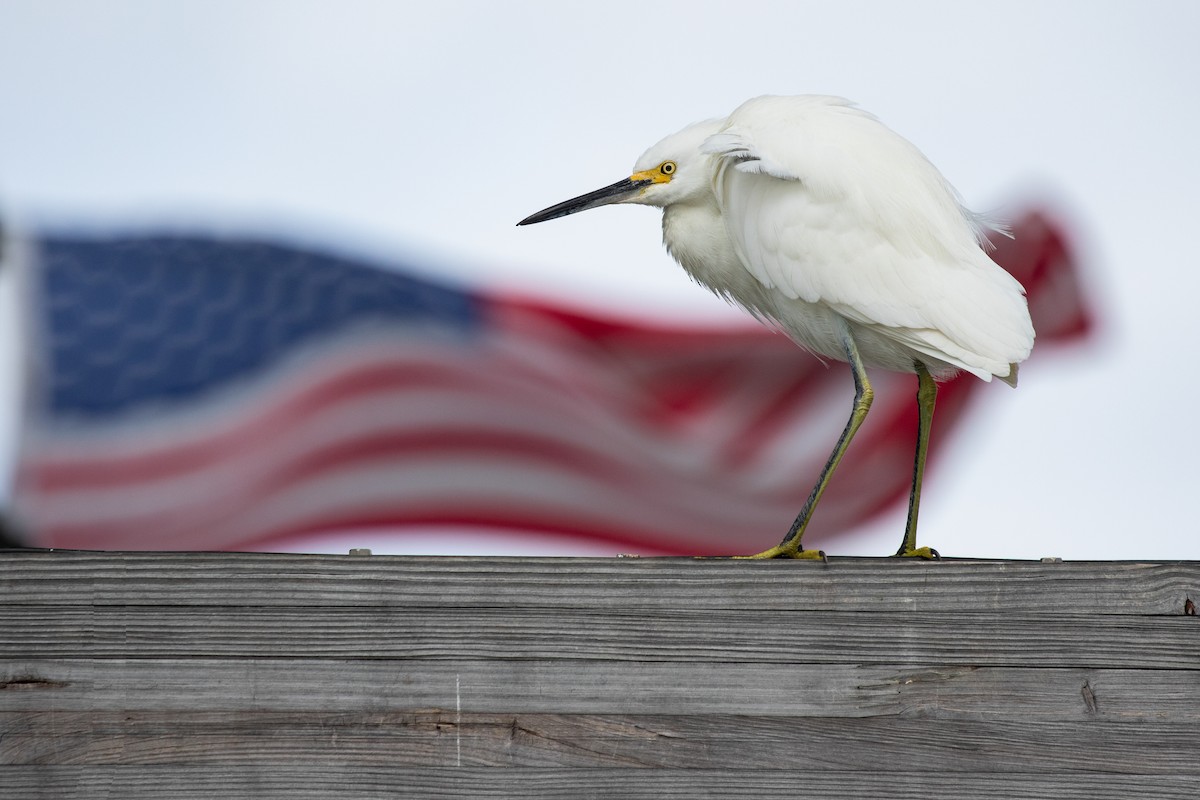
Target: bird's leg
(926,397)
(863,395)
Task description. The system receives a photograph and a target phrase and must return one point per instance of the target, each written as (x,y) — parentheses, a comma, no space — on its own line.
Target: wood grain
(383,783)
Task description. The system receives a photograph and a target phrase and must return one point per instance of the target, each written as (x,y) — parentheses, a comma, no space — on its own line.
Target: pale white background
(426,130)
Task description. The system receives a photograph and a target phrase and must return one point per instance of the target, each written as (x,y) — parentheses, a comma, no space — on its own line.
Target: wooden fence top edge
(621,559)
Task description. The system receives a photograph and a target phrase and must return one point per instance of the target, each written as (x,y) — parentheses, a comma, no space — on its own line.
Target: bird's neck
(695,236)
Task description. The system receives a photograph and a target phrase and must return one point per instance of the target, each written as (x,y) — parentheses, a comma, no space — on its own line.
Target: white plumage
(817,218)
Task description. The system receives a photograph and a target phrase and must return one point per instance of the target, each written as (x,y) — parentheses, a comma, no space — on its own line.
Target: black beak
(615,193)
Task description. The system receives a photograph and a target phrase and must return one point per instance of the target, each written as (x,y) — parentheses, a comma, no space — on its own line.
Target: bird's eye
(667,168)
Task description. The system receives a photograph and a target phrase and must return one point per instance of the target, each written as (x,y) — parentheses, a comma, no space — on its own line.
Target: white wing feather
(825,204)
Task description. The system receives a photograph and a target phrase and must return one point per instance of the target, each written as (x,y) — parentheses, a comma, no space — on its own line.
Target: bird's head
(672,171)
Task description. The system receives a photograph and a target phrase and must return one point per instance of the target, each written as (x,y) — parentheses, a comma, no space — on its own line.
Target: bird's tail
(1011,377)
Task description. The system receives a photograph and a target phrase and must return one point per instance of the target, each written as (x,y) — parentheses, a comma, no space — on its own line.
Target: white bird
(816,218)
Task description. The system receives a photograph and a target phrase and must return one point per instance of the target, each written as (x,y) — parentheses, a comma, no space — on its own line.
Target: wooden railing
(160,675)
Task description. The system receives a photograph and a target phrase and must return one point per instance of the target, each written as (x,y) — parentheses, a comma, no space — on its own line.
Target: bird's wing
(825,204)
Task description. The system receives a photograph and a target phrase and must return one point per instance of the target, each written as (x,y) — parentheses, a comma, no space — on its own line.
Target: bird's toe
(789,551)
(927,553)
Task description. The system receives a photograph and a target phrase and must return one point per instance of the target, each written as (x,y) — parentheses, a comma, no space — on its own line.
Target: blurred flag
(197,393)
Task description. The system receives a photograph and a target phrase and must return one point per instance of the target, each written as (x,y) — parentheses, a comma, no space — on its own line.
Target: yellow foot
(789,551)
(920,552)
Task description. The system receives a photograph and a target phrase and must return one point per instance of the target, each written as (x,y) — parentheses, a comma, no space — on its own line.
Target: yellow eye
(667,168)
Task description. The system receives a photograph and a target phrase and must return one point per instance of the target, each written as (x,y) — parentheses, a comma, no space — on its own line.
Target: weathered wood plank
(565,686)
(845,584)
(433,739)
(717,635)
(595,688)
(354,782)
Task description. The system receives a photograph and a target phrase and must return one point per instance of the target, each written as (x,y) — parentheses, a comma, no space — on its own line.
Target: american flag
(195,393)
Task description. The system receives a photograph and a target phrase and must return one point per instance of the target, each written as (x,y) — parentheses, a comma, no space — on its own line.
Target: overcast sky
(425,131)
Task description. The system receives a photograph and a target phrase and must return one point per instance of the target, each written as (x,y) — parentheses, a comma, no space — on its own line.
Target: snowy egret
(815,217)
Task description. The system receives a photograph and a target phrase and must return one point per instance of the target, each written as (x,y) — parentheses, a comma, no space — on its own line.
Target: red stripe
(210,448)
(624,539)
(519,312)
(627,537)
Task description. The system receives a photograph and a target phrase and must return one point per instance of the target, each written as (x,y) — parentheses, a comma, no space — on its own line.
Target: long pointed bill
(616,193)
